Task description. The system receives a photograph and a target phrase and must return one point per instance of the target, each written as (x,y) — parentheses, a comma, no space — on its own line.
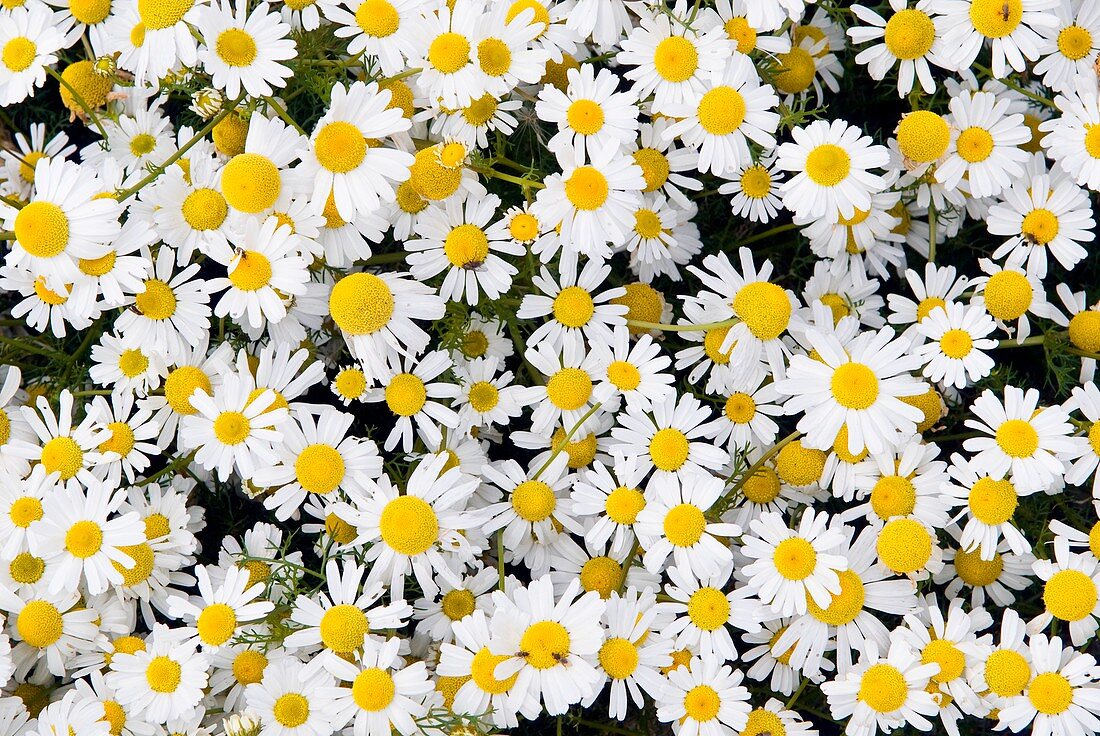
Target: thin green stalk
(380,259)
(155,173)
(525,183)
(628,562)
(171,467)
(768,233)
(1027,342)
(500,558)
(565,440)
(794,698)
(11,202)
(932,234)
(7,235)
(697,327)
(282,113)
(79,100)
(1013,86)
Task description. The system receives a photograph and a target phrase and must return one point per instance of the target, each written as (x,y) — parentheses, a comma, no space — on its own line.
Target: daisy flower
(706,698)
(592,201)
(1070,140)
(232,430)
(164,680)
(668,439)
(242,50)
(487,398)
(634,651)
(1070,46)
(216,614)
(910,39)
(939,287)
(859,389)
(48,628)
(470,659)
(124,365)
(590,115)
(907,546)
(852,617)
(568,397)
(73,712)
(413,532)
(705,608)
(316,456)
(1020,438)
(1070,593)
(64,221)
(455,238)
(29,42)
(388,32)
(341,617)
(671,59)
(375,314)
(1061,698)
(455,603)
(735,109)
(70,452)
(263,270)
(755,191)
(19,162)
(832,163)
(791,568)
(746,418)
(1084,456)
(252,180)
(414,396)
(906,481)
(1009,293)
(171,310)
(165,39)
(884,692)
(985,147)
(662,160)
(550,643)
(957,336)
(1012,33)
(132,438)
(634,371)
(449,73)
(1041,216)
(339,158)
(505,53)
(581,313)
(288,700)
(384,695)
(673,524)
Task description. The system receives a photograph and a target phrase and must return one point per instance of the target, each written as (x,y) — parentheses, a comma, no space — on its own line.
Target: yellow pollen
(956,344)
(904,545)
(721,110)
(845,605)
(340,147)
(573,306)
(1040,226)
(624,504)
(495,59)
(1070,595)
(893,496)
(739,30)
(251,183)
(974,144)
(828,165)
(799,465)
(923,136)
(795,558)
(466,246)
(121,440)
(1074,42)
(39,624)
(158,14)
(181,385)
(569,389)
(319,468)
(19,53)
(62,455)
(675,59)
(361,303)
(586,188)
(343,628)
(702,703)
(216,624)
(740,408)
(647,224)
(42,229)
(763,487)
(585,116)
(533,500)
(618,657)
(142,555)
(449,52)
(909,34)
(252,272)
(157,302)
(1017,438)
(601,574)
(163,674)
(1007,672)
(669,449)
(765,309)
(854,386)
(1084,331)
(458,604)
(756,182)
(1008,294)
(409,525)
(482,668)
(545,645)
(373,689)
(291,710)
(996,18)
(883,688)
(684,525)
(951,660)
(377,18)
(708,609)
(1050,693)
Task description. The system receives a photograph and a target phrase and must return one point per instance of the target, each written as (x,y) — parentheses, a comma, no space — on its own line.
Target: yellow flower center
(429,178)
(975,571)
(708,609)
(157,14)
(669,449)
(252,272)
(319,468)
(1074,42)
(765,309)
(601,574)
(350,383)
(702,703)
(482,668)
(799,465)
(132,362)
(1017,438)
(992,502)
(585,116)
(142,555)
(409,525)
(62,455)
(449,52)
(340,147)
(466,246)
(796,71)
(1008,294)
(740,408)
(343,628)
(684,525)
(163,674)
(25,511)
(893,496)
(26,568)
(721,110)
(763,487)
(545,644)
(883,688)
(763,722)
(569,389)
(251,183)
(854,386)
(655,167)
(618,657)
(795,558)
(231,428)
(458,604)
(573,306)
(361,303)
(533,500)
(495,59)
(845,605)
(974,144)
(1070,595)
(1007,672)
(904,545)
(1050,693)
(623,505)
(951,660)
(1040,226)
(675,59)
(956,344)
(586,188)
(157,302)
(647,223)
(828,165)
(996,18)
(39,624)
(739,30)
(291,710)
(756,182)
(923,135)
(180,386)
(19,53)
(909,34)
(1084,331)
(121,439)
(42,229)
(377,18)
(373,689)
(216,624)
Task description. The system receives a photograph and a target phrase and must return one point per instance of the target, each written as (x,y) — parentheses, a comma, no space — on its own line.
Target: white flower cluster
(386,366)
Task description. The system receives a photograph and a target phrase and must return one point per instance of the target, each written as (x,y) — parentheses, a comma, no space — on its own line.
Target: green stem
(772,452)
(282,113)
(794,698)
(500,558)
(79,100)
(700,326)
(932,234)
(6,235)
(93,392)
(173,466)
(606,727)
(127,193)
(1028,342)
(1013,86)
(565,440)
(628,562)
(768,233)
(380,259)
(494,174)
(11,202)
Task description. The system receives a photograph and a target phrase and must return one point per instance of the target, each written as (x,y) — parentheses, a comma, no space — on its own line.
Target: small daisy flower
(414,396)
(217,613)
(388,33)
(1012,33)
(704,610)
(590,114)
(910,38)
(288,701)
(1070,593)
(755,189)
(1061,698)
(243,49)
(578,308)
(832,162)
(957,336)
(19,163)
(706,698)
(985,147)
(1021,439)
(164,680)
(29,43)
(673,528)
(124,365)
